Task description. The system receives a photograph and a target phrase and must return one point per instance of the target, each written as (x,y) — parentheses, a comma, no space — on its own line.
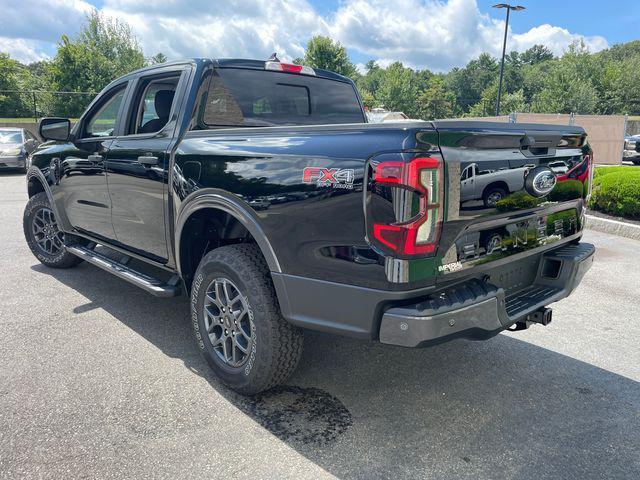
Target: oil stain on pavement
(308,416)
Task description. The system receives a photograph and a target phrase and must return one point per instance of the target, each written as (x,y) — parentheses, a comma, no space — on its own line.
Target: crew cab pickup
(258,189)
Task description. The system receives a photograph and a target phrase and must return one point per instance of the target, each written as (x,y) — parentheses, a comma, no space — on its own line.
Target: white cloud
(234,28)
(26,51)
(434,34)
(556,39)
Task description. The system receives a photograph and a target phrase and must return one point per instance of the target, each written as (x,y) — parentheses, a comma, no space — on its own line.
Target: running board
(152,285)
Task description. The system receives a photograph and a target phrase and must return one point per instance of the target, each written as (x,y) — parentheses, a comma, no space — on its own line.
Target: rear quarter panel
(316,230)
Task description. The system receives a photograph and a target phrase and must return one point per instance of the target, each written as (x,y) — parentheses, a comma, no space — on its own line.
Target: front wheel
(43,236)
(237,321)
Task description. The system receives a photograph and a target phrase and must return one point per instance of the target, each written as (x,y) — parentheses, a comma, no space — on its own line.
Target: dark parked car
(260,190)
(16,144)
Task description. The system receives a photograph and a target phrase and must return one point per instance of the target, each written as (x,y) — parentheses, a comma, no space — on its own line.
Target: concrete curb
(614,227)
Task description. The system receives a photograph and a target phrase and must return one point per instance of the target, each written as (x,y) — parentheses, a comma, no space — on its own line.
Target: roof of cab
(259,65)
(230,63)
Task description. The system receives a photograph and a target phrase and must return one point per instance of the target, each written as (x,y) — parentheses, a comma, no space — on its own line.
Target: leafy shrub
(617,192)
(567,190)
(517,201)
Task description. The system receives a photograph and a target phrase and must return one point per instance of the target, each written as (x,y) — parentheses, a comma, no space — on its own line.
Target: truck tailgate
(512,190)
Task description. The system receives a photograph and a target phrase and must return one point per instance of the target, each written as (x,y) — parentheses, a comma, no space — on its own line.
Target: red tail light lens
(418,234)
(289,68)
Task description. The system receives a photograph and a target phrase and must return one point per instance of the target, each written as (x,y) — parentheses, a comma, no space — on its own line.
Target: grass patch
(602,171)
(17,120)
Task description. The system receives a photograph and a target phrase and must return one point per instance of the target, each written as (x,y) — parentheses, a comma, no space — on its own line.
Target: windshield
(8,136)
(258,98)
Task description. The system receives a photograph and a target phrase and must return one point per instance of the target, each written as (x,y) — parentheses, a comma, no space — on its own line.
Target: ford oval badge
(540,181)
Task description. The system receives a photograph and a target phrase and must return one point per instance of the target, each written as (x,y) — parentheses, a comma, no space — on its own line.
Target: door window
(155,101)
(103,121)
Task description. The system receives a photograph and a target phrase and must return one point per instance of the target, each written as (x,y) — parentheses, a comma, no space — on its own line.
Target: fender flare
(34,173)
(220,200)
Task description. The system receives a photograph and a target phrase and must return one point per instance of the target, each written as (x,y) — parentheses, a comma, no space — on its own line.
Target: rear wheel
(237,321)
(43,236)
(492,196)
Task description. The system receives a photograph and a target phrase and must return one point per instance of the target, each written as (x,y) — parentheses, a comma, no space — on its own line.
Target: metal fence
(30,105)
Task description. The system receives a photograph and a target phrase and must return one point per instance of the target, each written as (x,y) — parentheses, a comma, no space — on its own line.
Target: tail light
(415,191)
(289,68)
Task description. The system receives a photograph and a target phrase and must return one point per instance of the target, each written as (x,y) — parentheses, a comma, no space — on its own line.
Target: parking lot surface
(100,380)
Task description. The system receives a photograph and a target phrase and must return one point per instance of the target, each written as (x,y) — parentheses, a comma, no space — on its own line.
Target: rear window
(255,98)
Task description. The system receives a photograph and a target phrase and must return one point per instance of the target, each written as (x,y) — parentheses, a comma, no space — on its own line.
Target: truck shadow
(498,409)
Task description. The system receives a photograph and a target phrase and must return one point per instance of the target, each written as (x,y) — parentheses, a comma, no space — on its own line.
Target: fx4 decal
(329,177)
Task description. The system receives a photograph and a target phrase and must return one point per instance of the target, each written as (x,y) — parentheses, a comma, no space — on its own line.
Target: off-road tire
(58,259)
(277,345)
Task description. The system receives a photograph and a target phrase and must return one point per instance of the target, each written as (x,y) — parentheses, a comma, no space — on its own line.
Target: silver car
(631,150)
(15,146)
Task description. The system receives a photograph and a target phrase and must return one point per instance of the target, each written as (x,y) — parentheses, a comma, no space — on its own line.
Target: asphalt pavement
(100,380)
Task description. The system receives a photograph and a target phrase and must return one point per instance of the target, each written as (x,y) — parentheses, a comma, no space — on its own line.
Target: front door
(81,182)
(467,184)
(138,165)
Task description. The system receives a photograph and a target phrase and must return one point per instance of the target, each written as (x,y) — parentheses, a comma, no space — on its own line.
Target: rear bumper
(480,310)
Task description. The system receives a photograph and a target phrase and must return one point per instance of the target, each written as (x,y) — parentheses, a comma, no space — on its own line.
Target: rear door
(138,162)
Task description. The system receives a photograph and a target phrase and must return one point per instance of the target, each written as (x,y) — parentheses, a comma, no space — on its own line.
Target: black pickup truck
(259,189)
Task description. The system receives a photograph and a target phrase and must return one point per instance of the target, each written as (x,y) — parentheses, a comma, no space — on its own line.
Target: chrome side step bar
(152,285)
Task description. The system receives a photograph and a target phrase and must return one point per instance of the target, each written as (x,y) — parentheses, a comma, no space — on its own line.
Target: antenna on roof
(273,58)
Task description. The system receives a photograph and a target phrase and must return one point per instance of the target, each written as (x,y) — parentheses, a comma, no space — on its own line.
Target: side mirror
(55,129)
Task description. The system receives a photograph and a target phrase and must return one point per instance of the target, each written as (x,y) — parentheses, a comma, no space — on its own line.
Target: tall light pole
(504,46)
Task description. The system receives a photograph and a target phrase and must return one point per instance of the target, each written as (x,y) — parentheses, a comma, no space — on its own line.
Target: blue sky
(616,20)
(434,34)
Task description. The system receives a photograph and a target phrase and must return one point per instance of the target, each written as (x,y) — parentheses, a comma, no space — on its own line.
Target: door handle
(148,161)
(95,158)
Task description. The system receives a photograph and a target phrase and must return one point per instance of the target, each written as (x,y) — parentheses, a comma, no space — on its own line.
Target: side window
(103,121)
(155,98)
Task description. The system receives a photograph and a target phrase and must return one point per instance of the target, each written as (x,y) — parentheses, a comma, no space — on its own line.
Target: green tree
(323,52)
(469,82)
(569,85)
(619,87)
(370,81)
(398,90)
(436,101)
(368,99)
(510,102)
(103,50)
(536,54)
(12,78)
